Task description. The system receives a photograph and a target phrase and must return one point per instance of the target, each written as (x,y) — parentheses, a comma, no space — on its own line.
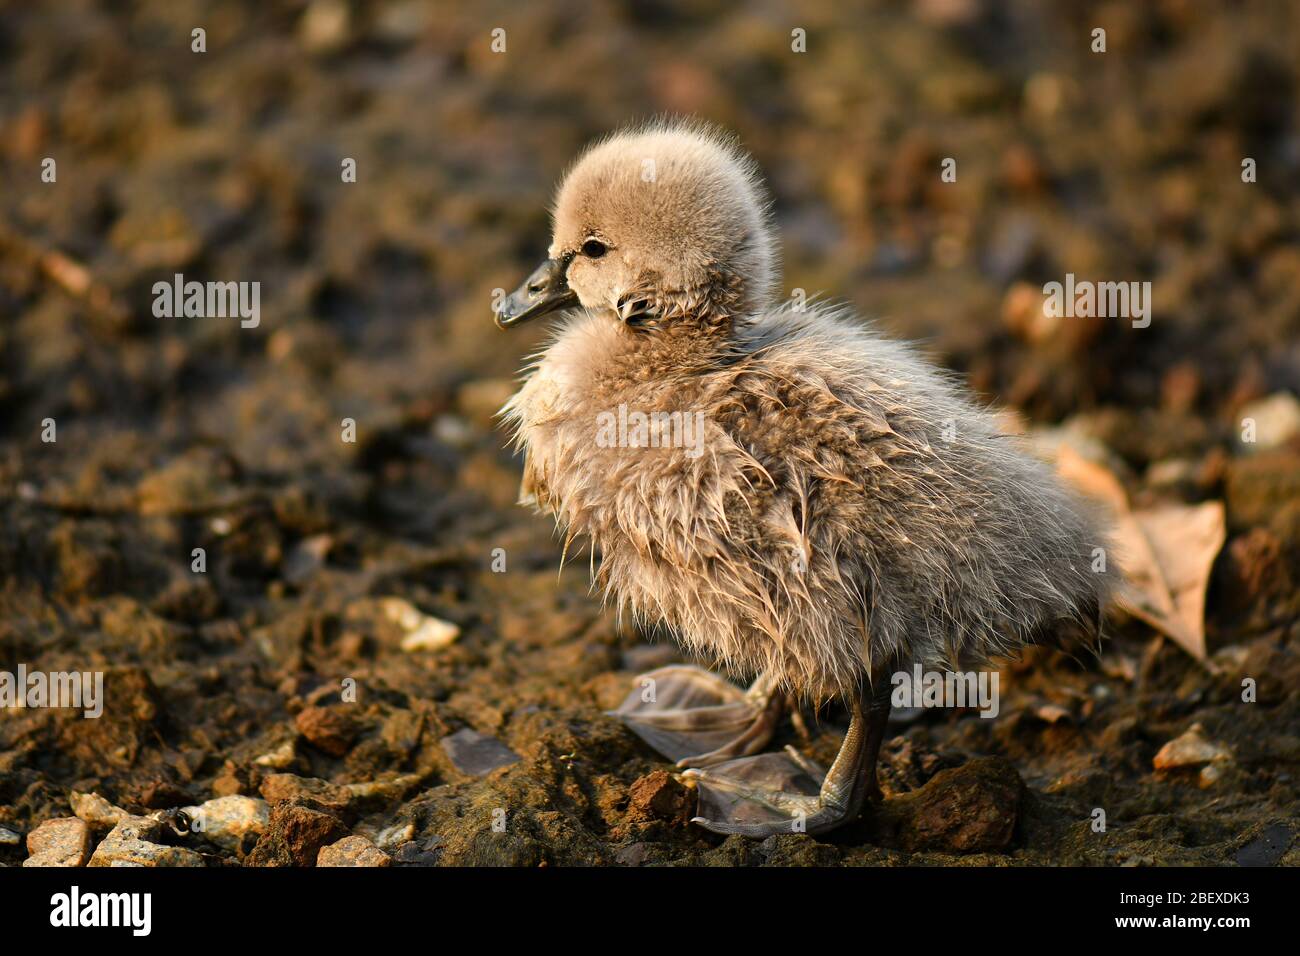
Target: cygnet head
(661,225)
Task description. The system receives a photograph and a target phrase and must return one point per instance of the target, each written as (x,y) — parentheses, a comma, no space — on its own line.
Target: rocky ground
(305,680)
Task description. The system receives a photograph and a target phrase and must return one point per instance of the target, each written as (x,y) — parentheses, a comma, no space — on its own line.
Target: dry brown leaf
(1165,553)
(1187,539)
(1191,749)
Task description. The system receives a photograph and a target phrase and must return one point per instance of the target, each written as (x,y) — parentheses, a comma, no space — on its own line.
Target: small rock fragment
(325,26)
(390,788)
(306,558)
(1258,488)
(130,843)
(225,821)
(279,758)
(412,853)
(327,728)
(394,836)
(475,754)
(1276,420)
(295,836)
(288,788)
(432,634)
(61,842)
(352,851)
(95,810)
(1210,774)
(964,809)
(1052,713)
(335,797)
(192,483)
(394,618)
(1255,568)
(10,837)
(660,796)
(1192,749)
(634,854)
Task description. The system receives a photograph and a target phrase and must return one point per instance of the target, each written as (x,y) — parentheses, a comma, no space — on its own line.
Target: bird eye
(593,248)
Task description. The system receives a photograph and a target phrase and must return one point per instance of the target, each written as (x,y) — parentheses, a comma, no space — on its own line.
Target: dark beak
(544,291)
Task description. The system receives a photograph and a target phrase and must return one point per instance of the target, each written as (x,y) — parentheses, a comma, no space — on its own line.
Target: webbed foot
(786,793)
(699,719)
(759,796)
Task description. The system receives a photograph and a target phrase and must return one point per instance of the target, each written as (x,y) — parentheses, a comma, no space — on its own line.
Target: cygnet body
(793,494)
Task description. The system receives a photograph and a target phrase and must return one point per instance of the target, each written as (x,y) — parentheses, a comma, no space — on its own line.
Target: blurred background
(224,165)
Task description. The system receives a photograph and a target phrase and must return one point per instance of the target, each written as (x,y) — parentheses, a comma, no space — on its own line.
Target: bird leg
(698,719)
(780,793)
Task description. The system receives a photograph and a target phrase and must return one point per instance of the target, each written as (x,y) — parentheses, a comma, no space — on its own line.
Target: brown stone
(659,796)
(61,842)
(1256,485)
(295,837)
(966,809)
(327,728)
(352,851)
(231,822)
(1255,566)
(95,810)
(289,787)
(131,843)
